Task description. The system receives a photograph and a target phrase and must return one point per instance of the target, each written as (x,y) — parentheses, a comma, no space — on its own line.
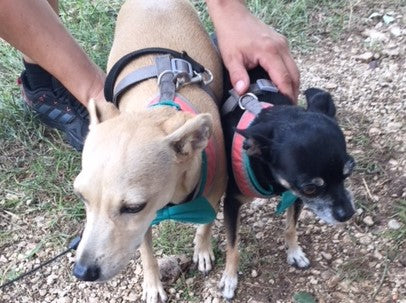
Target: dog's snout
(343,214)
(86,272)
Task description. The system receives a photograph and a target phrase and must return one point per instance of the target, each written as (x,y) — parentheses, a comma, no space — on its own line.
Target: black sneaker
(57,108)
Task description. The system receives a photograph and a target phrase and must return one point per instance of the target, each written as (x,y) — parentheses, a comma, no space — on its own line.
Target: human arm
(33,28)
(245,42)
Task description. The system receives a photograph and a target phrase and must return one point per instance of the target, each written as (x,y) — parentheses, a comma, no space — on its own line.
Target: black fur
(296,145)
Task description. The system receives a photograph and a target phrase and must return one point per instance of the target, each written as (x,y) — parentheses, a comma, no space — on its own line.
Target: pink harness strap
(238,156)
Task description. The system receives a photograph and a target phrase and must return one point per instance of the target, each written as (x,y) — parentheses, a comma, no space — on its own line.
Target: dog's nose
(342,215)
(85,272)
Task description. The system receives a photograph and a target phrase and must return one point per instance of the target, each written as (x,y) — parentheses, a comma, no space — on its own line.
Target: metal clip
(240,100)
(182,69)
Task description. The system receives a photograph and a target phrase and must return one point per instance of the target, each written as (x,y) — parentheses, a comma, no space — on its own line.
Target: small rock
(375,36)
(11,197)
(392,52)
(394,224)
(388,19)
(254,273)
(326,256)
(330,85)
(375,15)
(394,126)
(365,240)
(64,300)
(368,221)
(365,57)
(395,31)
(171,267)
(172,290)
(374,131)
(216,300)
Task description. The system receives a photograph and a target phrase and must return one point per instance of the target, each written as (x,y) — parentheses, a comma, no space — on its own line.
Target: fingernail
(239,86)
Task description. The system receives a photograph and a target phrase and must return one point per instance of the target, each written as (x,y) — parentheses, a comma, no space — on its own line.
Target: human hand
(245,42)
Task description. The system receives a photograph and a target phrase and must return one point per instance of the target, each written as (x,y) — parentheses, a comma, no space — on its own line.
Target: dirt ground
(362,261)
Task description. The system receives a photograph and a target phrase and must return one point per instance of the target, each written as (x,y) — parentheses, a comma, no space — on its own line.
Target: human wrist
(221,10)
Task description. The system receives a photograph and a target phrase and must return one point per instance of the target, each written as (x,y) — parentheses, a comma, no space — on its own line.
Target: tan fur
(134,155)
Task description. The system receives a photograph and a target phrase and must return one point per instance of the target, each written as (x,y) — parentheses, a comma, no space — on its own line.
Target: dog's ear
(255,143)
(320,101)
(192,137)
(100,111)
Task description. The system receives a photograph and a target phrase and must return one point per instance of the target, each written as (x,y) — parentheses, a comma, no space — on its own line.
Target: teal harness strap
(254,181)
(166,103)
(197,211)
(287,197)
(287,200)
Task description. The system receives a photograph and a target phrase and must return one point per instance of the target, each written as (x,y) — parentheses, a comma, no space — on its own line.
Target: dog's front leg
(229,280)
(296,256)
(152,289)
(203,253)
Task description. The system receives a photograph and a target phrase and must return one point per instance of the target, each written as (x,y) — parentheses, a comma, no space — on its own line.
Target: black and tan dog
(275,148)
(144,156)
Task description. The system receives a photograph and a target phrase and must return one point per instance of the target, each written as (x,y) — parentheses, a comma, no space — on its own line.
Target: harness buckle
(247,95)
(182,70)
(267,86)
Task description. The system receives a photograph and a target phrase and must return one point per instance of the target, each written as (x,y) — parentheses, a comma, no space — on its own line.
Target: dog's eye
(132,209)
(309,189)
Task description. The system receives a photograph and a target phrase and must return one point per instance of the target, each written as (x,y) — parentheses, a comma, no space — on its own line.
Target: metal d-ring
(243,96)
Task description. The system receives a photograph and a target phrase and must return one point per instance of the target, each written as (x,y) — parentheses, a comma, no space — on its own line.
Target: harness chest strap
(242,170)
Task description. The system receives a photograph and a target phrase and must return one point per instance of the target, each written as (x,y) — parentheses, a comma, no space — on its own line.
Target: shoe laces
(61,93)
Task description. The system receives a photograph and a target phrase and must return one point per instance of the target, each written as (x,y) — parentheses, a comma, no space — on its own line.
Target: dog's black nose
(343,214)
(85,272)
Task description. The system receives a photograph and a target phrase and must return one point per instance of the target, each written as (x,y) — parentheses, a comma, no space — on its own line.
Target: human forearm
(34,29)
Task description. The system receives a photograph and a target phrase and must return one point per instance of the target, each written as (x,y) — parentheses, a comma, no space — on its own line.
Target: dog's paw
(297,257)
(203,258)
(153,292)
(228,285)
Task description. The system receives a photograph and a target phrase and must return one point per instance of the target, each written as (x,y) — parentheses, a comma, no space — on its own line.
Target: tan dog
(138,159)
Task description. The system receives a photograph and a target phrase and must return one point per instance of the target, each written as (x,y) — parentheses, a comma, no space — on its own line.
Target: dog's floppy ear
(254,142)
(100,111)
(320,101)
(192,137)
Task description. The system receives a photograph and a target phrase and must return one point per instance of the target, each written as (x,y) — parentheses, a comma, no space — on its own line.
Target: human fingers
(279,74)
(238,74)
(294,74)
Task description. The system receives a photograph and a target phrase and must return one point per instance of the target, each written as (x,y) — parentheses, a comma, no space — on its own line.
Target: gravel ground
(357,262)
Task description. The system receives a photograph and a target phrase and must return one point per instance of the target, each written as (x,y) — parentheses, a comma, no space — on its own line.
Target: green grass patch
(174,238)
(399,235)
(303,22)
